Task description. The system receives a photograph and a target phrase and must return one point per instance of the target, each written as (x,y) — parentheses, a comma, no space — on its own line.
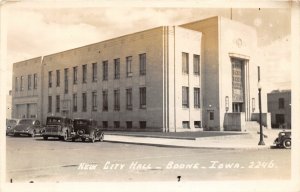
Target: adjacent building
(279,105)
(171,78)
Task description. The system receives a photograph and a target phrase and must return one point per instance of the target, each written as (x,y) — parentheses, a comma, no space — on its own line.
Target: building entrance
(238,77)
(237,107)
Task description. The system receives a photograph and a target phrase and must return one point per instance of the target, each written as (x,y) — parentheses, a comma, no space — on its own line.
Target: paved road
(33,159)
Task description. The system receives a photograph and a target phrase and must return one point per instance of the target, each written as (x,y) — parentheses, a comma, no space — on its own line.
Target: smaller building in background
(279,105)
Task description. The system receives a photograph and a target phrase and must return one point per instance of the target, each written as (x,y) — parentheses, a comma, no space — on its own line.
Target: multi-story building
(170,78)
(279,105)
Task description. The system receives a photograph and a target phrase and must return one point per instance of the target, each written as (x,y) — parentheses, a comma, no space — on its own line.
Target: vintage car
(283,139)
(29,127)
(86,129)
(60,127)
(10,125)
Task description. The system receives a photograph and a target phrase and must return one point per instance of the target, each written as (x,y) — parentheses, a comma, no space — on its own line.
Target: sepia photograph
(189,96)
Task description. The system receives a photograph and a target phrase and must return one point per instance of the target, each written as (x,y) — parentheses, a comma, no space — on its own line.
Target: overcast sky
(38,31)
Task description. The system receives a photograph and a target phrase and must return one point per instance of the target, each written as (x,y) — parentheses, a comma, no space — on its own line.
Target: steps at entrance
(252,128)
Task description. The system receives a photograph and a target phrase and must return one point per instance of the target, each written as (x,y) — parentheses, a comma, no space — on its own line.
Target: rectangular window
(143,103)
(16,84)
(185,63)
(128,124)
(128,66)
(105,70)
(75,69)
(211,115)
(57,103)
(57,78)
(117,68)
(29,86)
(117,100)
(117,124)
(94,101)
(105,100)
(84,71)
(50,79)
(197,97)
(94,72)
(66,71)
(281,103)
(197,124)
(185,124)
(49,104)
(83,102)
(143,124)
(21,83)
(74,102)
(185,97)
(35,81)
(105,124)
(196,64)
(142,64)
(129,99)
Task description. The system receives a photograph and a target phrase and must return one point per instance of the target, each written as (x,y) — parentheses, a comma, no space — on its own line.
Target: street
(37,160)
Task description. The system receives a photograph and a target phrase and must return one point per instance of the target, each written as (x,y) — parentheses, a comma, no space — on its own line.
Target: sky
(39,31)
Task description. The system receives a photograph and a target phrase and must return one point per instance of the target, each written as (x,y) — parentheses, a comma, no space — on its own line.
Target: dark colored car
(86,129)
(10,125)
(29,127)
(283,139)
(60,127)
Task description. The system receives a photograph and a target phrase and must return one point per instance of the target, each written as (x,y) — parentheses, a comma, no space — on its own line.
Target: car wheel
(93,139)
(45,138)
(101,137)
(287,143)
(65,137)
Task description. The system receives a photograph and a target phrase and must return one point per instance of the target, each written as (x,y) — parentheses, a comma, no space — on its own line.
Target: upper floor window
(29,83)
(84,102)
(75,102)
(117,100)
(185,97)
(281,103)
(129,99)
(49,104)
(105,70)
(94,101)
(66,71)
(35,81)
(143,102)
(16,84)
(185,63)
(94,66)
(84,73)
(117,68)
(50,79)
(75,69)
(57,103)
(196,64)
(142,64)
(197,97)
(105,100)
(21,84)
(57,78)
(128,66)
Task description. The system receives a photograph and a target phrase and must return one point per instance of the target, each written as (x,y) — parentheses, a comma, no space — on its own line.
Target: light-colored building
(9,105)
(279,105)
(170,78)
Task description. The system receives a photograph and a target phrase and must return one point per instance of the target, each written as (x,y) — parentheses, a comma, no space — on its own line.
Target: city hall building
(170,78)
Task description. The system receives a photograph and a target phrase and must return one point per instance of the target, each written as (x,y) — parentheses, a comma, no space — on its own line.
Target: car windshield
(11,122)
(54,120)
(81,122)
(26,122)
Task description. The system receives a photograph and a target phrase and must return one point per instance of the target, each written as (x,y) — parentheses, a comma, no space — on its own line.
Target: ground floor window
(105,124)
(211,115)
(143,124)
(197,124)
(185,124)
(116,124)
(128,124)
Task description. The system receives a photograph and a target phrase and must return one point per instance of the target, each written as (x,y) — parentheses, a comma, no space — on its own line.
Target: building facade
(279,105)
(170,78)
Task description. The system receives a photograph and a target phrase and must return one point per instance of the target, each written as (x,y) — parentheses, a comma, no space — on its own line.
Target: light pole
(261,138)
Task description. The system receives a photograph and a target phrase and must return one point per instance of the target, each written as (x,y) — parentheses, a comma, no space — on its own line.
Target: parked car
(10,125)
(283,139)
(60,127)
(86,129)
(29,127)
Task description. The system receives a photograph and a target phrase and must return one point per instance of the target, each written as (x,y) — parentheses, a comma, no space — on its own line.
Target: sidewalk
(201,139)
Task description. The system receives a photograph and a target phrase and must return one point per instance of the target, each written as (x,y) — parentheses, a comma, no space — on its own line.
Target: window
(128,124)
(143,97)
(117,100)
(21,83)
(75,102)
(94,66)
(128,66)
(281,103)
(50,79)
(211,115)
(129,99)
(49,104)
(143,124)
(105,70)
(83,102)
(66,80)
(196,64)
(197,124)
(185,97)
(57,78)
(105,124)
(35,81)
(57,103)
(142,64)
(197,97)
(117,68)
(185,63)
(75,69)
(105,100)
(29,86)
(84,71)
(94,101)
(185,124)
(116,124)
(16,84)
